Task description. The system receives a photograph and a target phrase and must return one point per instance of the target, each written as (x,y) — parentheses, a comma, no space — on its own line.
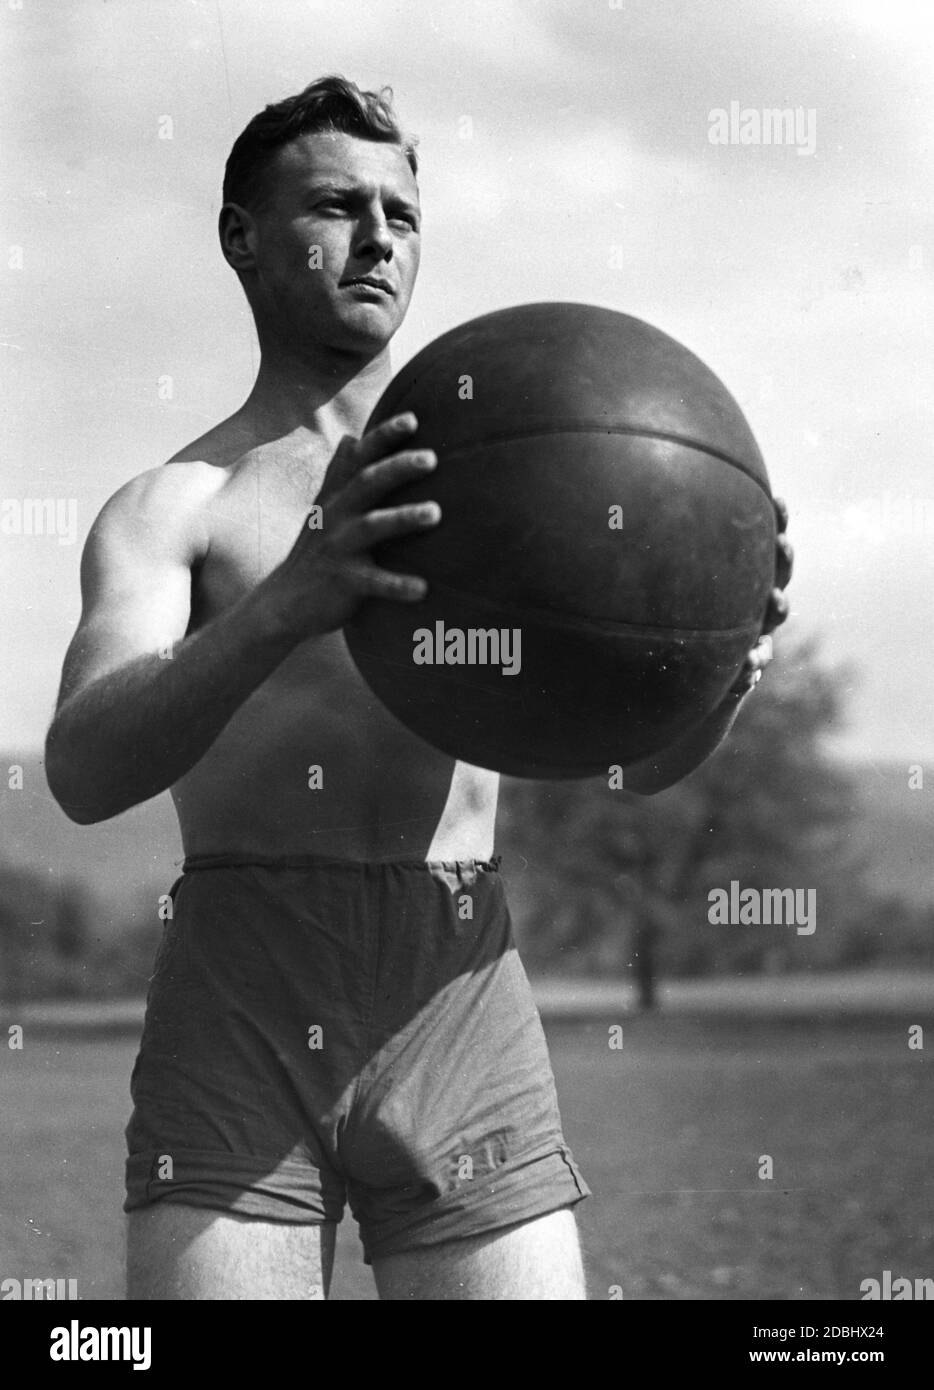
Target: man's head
(320,191)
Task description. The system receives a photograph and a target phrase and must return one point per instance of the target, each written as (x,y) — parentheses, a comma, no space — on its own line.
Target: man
(321,1023)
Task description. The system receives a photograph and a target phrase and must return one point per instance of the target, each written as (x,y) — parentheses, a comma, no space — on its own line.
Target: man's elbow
(80,811)
(643,784)
(66,783)
(83,815)
(646,777)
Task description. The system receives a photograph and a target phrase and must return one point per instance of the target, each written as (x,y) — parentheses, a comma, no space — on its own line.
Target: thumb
(344,465)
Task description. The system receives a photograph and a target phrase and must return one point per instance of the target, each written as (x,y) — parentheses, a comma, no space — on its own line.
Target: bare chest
(252,524)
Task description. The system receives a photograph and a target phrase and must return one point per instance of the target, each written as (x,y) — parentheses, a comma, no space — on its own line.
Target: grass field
(668,1131)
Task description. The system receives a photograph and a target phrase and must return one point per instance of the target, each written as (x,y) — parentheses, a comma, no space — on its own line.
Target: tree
(617,881)
(44,934)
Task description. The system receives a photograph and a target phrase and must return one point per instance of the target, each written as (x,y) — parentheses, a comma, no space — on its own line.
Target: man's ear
(237,231)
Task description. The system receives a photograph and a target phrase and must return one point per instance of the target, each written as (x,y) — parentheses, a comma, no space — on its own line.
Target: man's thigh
(180,1252)
(540,1259)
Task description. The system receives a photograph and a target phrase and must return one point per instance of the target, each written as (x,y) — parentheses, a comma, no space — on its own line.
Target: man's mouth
(371,282)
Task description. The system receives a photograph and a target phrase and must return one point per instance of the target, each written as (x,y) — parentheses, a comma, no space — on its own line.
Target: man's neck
(328,397)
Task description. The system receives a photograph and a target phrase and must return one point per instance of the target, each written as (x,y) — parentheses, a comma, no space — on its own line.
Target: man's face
(339,209)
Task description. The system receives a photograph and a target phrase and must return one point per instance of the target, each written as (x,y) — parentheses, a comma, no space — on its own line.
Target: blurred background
(566,153)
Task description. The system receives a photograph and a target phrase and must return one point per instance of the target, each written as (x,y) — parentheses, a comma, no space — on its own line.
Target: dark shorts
(323,1030)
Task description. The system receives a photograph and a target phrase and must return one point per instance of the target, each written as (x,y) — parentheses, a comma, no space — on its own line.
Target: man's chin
(352,333)
(369,331)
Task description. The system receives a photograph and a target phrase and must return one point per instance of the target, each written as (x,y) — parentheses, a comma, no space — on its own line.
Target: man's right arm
(140,702)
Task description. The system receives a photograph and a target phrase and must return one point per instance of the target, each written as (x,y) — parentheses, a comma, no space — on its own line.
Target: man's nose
(374,237)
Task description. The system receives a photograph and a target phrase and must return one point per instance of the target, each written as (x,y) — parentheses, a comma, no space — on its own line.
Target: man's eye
(405,222)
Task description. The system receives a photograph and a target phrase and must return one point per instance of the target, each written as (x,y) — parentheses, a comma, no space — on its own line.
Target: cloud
(587,174)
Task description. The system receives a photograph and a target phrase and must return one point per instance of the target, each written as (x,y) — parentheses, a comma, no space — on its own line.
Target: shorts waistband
(194,862)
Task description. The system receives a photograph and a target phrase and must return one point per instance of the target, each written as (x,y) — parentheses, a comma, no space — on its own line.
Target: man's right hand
(329,572)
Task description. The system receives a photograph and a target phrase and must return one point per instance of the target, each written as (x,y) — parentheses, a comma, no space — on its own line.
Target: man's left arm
(664,769)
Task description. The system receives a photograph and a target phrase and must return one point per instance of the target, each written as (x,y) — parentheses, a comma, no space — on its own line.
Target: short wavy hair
(330,103)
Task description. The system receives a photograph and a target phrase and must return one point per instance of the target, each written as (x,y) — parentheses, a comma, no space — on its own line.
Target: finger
(377,526)
(341,469)
(776,612)
(752,664)
(761,653)
(748,677)
(385,438)
(351,455)
(380,583)
(781,513)
(784,561)
(377,479)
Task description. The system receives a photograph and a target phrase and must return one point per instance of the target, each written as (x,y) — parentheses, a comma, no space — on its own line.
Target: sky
(566,154)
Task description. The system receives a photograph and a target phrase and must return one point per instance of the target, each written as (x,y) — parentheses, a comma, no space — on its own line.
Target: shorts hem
(267,1189)
(532,1186)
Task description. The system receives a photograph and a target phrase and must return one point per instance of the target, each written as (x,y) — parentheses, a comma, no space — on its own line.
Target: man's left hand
(777,611)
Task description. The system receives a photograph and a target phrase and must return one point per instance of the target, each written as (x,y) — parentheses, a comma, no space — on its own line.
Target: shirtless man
(322,1024)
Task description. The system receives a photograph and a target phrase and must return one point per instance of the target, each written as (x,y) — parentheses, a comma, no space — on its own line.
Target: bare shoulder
(162,508)
(136,569)
(221,446)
